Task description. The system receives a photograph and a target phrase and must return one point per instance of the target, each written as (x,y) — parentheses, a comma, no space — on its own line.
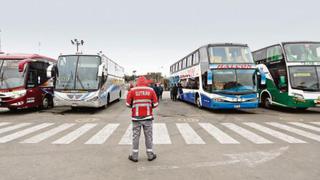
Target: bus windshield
(78,72)
(234,81)
(303,52)
(10,77)
(230,54)
(305,77)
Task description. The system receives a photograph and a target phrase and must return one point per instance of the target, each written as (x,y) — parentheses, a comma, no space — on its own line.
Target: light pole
(77,43)
(0,42)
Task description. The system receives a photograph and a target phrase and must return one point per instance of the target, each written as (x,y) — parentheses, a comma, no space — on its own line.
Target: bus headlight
(93,99)
(18,94)
(218,99)
(298,97)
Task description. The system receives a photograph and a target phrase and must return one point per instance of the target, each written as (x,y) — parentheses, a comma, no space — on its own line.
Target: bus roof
(225,44)
(21,56)
(286,42)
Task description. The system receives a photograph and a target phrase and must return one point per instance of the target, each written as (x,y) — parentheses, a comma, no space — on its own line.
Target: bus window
(195,58)
(189,61)
(274,53)
(279,75)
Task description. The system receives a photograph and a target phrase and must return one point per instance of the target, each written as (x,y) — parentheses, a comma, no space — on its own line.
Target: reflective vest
(142,100)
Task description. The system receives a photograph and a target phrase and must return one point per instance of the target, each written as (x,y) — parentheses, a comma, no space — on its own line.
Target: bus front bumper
(70,103)
(233,105)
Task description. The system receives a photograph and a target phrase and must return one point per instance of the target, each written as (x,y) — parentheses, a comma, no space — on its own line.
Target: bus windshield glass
(230,54)
(303,52)
(234,81)
(305,77)
(78,72)
(10,77)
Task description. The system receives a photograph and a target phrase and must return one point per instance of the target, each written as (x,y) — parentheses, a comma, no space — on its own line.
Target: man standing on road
(142,99)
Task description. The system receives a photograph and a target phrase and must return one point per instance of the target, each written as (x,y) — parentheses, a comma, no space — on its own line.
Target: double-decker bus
(87,81)
(24,82)
(217,76)
(293,74)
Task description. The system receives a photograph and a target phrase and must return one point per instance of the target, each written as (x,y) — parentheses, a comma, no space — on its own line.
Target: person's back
(142,99)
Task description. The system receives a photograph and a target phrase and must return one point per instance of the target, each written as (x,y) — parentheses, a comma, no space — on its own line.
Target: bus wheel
(108,99)
(266,101)
(198,101)
(45,103)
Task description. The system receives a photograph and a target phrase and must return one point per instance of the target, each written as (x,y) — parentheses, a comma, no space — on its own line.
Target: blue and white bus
(218,76)
(87,81)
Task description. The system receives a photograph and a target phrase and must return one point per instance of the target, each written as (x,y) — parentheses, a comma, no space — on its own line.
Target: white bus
(218,76)
(87,81)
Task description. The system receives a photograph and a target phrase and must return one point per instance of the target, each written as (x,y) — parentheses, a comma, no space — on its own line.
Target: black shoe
(132,159)
(153,158)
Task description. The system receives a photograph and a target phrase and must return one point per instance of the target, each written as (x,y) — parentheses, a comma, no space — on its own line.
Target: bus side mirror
(50,70)
(100,70)
(263,77)
(22,65)
(209,77)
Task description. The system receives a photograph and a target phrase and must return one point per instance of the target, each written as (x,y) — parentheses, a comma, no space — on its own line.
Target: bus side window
(274,53)
(279,76)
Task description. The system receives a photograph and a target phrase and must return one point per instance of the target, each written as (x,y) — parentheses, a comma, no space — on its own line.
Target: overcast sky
(147,35)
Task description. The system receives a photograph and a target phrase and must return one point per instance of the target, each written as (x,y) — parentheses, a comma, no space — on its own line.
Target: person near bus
(160,91)
(142,100)
(174,92)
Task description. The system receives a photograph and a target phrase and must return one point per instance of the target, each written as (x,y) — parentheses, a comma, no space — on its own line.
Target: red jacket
(142,99)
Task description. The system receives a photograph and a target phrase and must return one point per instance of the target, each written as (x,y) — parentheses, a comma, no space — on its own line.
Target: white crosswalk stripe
(102,136)
(219,135)
(45,135)
(306,126)
(274,133)
(13,127)
(69,138)
(316,123)
(247,134)
(188,134)
(127,137)
(24,132)
(161,134)
(4,123)
(295,130)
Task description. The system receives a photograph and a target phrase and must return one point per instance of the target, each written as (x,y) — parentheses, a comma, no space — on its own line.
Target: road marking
(295,130)
(247,134)
(45,135)
(24,132)
(274,133)
(219,135)
(160,134)
(69,138)
(316,123)
(102,136)
(305,126)
(10,128)
(4,123)
(127,137)
(188,134)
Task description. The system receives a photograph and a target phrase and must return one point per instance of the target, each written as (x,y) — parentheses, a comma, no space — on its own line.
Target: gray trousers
(136,131)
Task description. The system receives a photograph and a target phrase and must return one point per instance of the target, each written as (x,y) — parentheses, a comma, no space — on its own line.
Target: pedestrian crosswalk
(259,133)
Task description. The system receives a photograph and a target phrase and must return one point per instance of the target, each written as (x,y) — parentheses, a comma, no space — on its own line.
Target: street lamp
(77,43)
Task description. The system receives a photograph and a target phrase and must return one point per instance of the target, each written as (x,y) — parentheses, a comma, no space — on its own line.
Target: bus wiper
(80,81)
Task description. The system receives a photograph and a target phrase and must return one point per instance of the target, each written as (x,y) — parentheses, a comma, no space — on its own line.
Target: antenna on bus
(77,43)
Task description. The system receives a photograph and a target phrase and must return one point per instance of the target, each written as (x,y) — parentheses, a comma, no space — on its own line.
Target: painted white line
(69,138)
(102,136)
(24,132)
(247,134)
(127,137)
(160,134)
(306,126)
(188,134)
(45,135)
(295,130)
(13,127)
(4,123)
(274,133)
(316,123)
(219,135)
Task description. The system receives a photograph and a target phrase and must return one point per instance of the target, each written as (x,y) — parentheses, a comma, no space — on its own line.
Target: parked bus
(87,81)
(293,74)
(217,76)
(23,81)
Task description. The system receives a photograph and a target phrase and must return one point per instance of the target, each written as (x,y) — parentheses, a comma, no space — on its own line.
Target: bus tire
(198,101)
(45,103)
(266,101)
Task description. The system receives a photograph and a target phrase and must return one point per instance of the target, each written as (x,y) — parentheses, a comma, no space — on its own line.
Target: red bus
(24,82)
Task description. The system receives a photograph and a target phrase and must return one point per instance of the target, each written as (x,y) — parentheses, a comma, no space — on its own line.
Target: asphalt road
(191,144)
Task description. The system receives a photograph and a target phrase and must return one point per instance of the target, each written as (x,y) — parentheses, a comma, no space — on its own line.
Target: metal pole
(0,41)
